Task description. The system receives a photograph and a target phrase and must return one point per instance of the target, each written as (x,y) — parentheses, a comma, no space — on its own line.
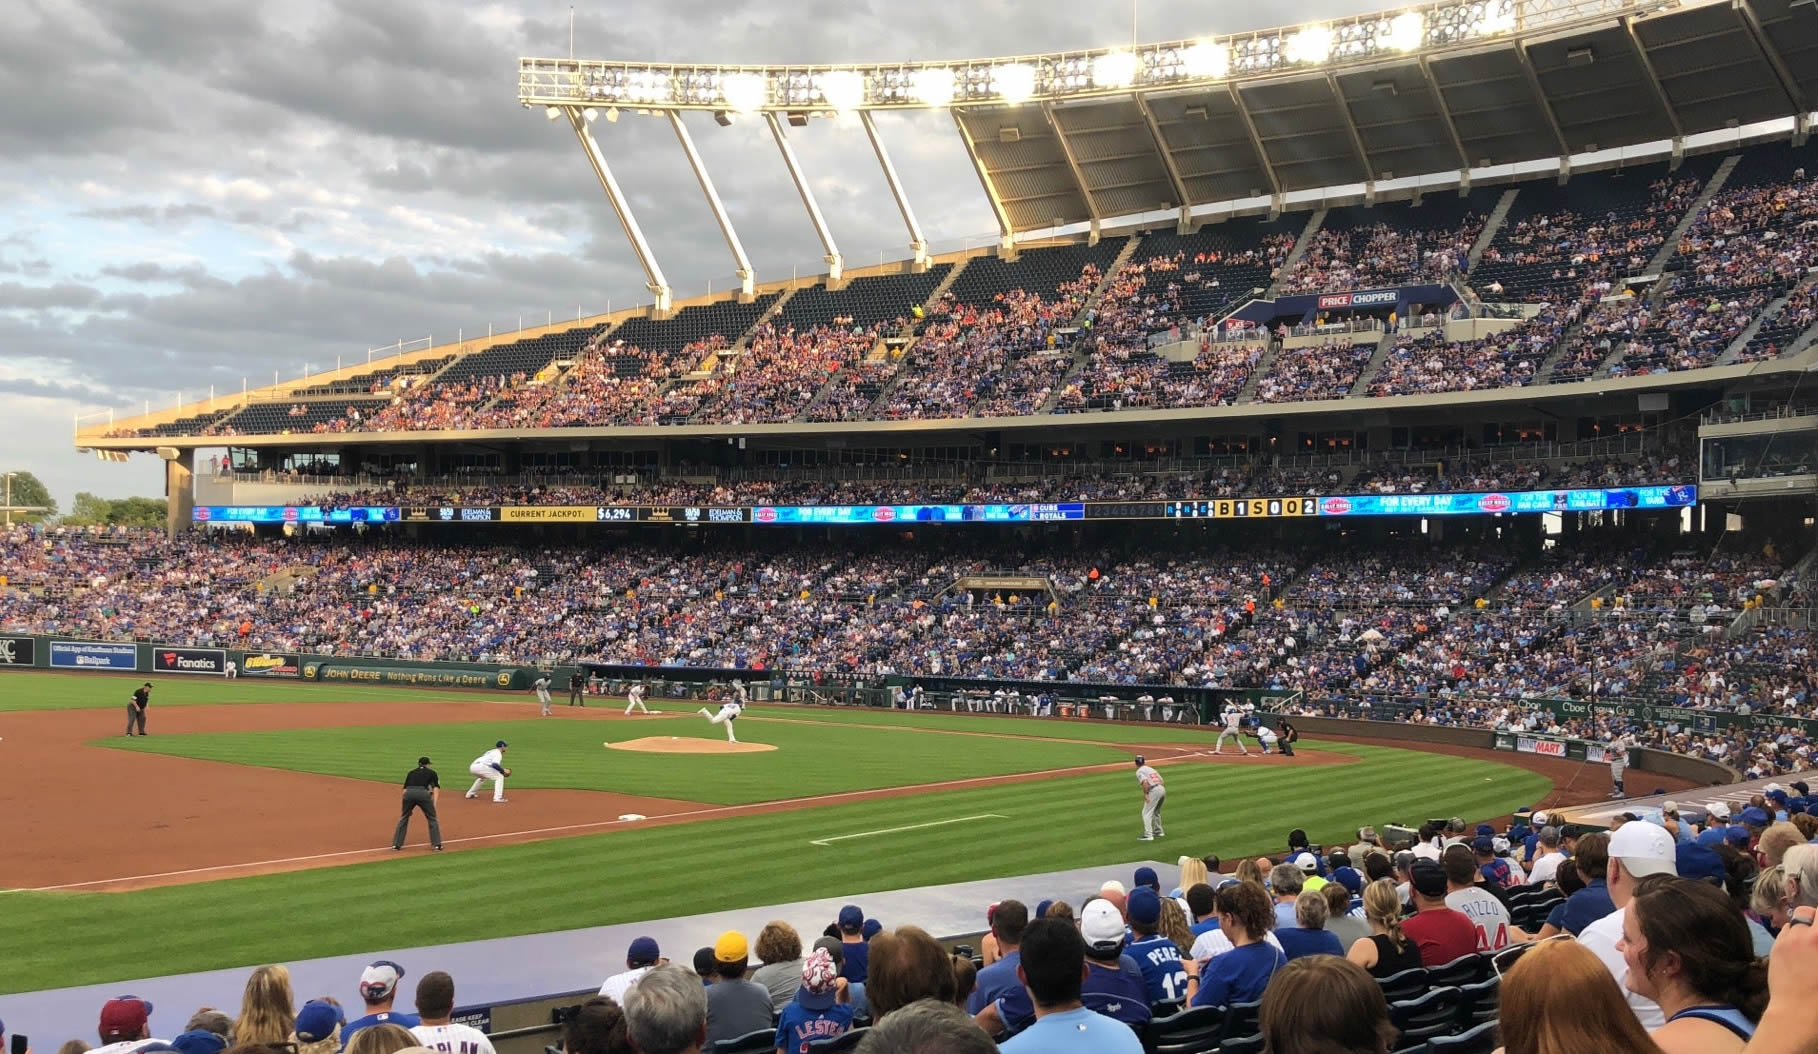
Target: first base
(632,816)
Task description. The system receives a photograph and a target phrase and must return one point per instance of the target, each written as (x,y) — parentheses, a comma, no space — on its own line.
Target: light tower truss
(1372,101)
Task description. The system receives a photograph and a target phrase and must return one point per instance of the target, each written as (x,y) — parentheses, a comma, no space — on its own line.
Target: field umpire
(421,788)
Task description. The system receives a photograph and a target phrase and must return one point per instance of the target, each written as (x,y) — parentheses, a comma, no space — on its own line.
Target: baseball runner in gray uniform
(1154,797)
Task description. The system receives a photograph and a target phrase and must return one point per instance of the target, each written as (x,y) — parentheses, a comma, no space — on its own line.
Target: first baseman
(635,699)
(490,766)
(729,712)
(1154,797)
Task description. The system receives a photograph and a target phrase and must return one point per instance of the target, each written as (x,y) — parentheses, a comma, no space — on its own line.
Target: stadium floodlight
(744,92)
(933,86)
(844,90)
(552,112)
(1114,69)
(1014,82)
(1312,45)
(1406,31)
(1498,17)
(648,86)
(1206,59)
(591,114)
(612,114)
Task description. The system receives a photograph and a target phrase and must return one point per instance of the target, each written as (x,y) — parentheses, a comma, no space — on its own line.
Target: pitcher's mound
(684,745)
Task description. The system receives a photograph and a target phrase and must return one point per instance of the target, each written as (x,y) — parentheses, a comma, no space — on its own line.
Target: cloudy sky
(198,193)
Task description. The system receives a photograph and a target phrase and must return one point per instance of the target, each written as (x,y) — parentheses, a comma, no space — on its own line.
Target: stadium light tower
(1121,133)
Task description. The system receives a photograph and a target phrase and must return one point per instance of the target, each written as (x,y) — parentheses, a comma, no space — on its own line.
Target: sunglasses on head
(1505,959)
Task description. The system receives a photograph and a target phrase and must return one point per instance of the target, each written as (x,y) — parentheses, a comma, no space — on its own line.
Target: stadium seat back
(1466,969)
(762,1041)
(1422,1018)
(1242,1019)
(1193,1031)
(1252,1044)
(1479,1002)
(1482,1039)
(1404,985)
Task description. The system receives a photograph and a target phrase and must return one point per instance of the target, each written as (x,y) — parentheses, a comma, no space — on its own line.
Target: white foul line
(911,827)
(718,810)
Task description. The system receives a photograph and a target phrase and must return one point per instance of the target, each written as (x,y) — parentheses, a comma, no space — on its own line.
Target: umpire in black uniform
(577,681)
(421,788)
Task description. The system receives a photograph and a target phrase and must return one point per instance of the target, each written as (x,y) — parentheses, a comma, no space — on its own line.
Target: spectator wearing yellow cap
(735,1006)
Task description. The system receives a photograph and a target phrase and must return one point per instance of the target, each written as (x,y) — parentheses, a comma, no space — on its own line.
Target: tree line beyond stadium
(1459,504)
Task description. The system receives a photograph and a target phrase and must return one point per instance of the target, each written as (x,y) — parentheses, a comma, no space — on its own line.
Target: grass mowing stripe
(559,754)
(41,690)
(1082,821)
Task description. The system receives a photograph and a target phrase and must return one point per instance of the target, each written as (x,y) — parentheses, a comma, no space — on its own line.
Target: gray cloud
(224,189)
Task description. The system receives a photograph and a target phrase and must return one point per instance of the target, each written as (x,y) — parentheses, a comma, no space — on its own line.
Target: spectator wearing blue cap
(1146,876)
(857,964)
(318,1027)
(1497,874)
(1156,956)
(1339,870)
(640,958)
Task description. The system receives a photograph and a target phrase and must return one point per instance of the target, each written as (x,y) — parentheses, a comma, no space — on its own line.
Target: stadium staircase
(1080,349)
(1491,226)
(1271,351)
(1294,254)
(287,580)
(1747,338)
(1361,390)
(934,295)
(1718,178)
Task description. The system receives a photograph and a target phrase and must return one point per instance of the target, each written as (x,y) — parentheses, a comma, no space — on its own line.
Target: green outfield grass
(547,753)
(82,691)
(59,939)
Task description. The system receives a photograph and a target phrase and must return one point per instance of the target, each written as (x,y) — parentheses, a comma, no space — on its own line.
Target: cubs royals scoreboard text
(1464,504)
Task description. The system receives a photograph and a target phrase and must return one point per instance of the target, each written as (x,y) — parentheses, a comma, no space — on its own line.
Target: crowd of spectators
(1568,257)
(1250,478)
(1323,371)
(1678,931)
(1428,363)
(1381,255)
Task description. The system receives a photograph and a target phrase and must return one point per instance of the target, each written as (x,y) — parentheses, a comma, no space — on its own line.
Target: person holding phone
(20,1045)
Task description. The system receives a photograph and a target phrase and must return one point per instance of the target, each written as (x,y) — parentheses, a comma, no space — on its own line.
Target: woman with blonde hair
(267,1008)
(1559,998)
(779,948)
(1192,872)
(1249,869)
(1768,897)
(1386,951)
(381,1039)
(1175,927)
(1322,1004)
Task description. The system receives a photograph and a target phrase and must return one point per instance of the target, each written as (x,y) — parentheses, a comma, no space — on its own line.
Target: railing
(1777,413)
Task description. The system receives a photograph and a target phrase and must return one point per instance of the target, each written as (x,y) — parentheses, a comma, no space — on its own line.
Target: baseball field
(254,823)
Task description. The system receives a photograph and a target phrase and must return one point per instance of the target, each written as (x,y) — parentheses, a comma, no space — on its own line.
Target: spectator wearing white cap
(1800,865)
(378,987)
(1637,849)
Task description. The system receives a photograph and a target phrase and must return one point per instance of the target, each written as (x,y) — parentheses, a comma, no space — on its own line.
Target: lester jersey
(453,1039)
(1150,779)
(492,759)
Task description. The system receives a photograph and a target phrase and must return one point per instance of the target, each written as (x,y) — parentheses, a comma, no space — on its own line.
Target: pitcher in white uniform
(729,712)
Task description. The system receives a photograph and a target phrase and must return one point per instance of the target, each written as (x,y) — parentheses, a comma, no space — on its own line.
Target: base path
(82,817)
